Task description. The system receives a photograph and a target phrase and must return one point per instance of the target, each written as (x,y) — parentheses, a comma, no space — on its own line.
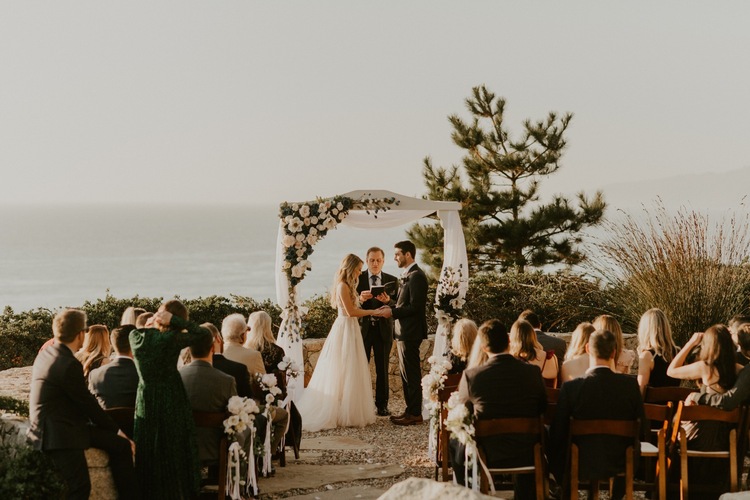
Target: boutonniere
(403,279)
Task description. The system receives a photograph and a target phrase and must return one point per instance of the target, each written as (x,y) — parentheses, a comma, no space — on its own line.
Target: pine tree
(505,224)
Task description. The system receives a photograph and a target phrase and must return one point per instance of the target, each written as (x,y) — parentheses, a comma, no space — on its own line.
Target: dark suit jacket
(60,404)
(236,370)
(208,389)
(550,343)
(385,325)
(115,384)
(505,387)
(410,310)
(600,394)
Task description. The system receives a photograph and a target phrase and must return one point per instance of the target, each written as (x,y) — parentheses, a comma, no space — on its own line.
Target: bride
(340,391)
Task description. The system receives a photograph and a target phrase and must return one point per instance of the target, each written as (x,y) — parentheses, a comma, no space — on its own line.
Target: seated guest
(142,319)
(478,356)
(65,418)
(600,394)
(656,350)
(524,346)
(96,349)
(576,358)
(717,370)
(236,370)
(464,334)
(260,338)
(734,325)
(743,344)
(130,314)
(548,342)
(625,357)
(234,333)
(116,383)
(208,389)
(504,387)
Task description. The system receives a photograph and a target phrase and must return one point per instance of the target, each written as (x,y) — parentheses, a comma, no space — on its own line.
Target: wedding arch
(303,224)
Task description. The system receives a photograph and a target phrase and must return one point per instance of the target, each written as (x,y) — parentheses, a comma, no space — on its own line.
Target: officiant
(377,333)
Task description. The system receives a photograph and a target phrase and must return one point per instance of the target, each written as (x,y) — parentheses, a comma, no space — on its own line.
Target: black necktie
(374,279)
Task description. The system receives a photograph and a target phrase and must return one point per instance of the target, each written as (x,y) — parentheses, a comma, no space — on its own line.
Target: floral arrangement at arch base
(306,223)
(449,301)
(431,385)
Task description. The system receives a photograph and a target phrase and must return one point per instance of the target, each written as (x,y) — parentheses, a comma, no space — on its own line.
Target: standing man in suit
(600,394)
(504,387)
(116,383)
(377,332)
(411,330)
(61,409)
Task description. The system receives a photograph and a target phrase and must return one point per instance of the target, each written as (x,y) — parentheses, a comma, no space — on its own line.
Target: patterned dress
(166,459)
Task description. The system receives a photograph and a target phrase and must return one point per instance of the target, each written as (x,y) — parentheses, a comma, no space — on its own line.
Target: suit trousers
(411,375)
(72,465)
(381,351)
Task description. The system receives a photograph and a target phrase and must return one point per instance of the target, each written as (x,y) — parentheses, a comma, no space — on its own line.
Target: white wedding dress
(340,391)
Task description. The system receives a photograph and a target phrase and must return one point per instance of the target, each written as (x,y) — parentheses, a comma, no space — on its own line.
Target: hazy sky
(245,101)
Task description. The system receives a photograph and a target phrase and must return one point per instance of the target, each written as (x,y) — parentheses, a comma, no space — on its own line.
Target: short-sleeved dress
(166,458)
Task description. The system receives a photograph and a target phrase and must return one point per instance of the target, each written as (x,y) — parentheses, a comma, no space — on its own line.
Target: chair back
(215,420)
(123,417)
(281,381)
(621,428)
(553,394)
(450,384)
(516,425)
(695,413)
(662,395)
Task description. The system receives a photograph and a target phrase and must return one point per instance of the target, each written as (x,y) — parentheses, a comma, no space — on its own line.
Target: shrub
(14,405)
(694,270)
(319,318)
(29,474)
(22,334)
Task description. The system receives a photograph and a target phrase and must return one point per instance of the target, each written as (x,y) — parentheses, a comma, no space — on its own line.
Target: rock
(418,489)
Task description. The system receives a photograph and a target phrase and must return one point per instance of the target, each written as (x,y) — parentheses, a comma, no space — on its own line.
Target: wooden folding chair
(442,455)
(656,479)
(552,396)
(699,413)
(533,426)
(623,428)
(215,420)
(123,417)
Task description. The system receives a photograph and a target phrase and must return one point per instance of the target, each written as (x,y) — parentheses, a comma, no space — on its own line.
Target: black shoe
(383,412)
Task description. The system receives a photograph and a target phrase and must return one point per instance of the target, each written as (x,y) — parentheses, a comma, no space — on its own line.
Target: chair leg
(683,466)
(594,489)
(539,472)
(573,472)
(733,486)
(629,474)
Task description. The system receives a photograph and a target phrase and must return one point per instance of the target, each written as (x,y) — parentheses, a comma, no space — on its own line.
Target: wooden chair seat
(214,420)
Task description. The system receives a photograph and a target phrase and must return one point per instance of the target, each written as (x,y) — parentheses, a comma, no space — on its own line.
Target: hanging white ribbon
(232,486)
(267,444)
(251,480)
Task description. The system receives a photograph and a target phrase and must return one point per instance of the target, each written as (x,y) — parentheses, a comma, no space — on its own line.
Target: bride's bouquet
(241,418)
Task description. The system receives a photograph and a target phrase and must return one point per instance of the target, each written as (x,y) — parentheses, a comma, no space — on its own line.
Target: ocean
(61,256)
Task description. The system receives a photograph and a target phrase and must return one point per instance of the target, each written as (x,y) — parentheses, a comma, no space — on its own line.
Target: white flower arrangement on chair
(242,413)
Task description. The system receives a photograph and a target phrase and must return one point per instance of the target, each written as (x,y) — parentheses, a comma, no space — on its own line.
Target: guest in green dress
(166,457)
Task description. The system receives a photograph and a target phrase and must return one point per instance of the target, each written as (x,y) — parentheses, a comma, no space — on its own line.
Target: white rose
(457,303)
(313,231)
(312,239)
(251,406)
(300,252)
(270,399)
(286,265)
(295,225)
(295,207)
(298,245)
(334,211)
(300,237)
(297,271)
(288,219)
(313,220)
(288,240)
(339,206)
(321,227)
(304,211)
(306,221)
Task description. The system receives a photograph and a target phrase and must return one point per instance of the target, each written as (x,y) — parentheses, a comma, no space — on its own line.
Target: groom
(411,330)
(377,332)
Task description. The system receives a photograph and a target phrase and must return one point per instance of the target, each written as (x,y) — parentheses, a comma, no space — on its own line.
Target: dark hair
(718,352)
(494,335)
(407,246)
(531,317)
(737,320)
(743,336)
(119,338)
(375,249)
(603,344)
(177,308)
(67,324)
(202,344)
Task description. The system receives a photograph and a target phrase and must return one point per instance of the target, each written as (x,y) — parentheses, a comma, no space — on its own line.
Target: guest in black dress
(260,338)
(656,350)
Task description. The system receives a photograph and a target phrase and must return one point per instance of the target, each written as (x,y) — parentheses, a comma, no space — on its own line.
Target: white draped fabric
(454,250)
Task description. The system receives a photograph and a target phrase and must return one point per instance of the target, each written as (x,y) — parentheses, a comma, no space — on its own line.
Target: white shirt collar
(406,271)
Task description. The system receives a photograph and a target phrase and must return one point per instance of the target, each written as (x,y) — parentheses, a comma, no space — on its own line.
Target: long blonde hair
(523,342)
(579,339)
(655,333)
(260,333)
(607,322)
(96,345)
(464,336)
(347,274)
(478,356)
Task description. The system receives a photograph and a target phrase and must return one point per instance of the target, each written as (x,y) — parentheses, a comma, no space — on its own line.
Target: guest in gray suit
(208,389)
(116,383)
